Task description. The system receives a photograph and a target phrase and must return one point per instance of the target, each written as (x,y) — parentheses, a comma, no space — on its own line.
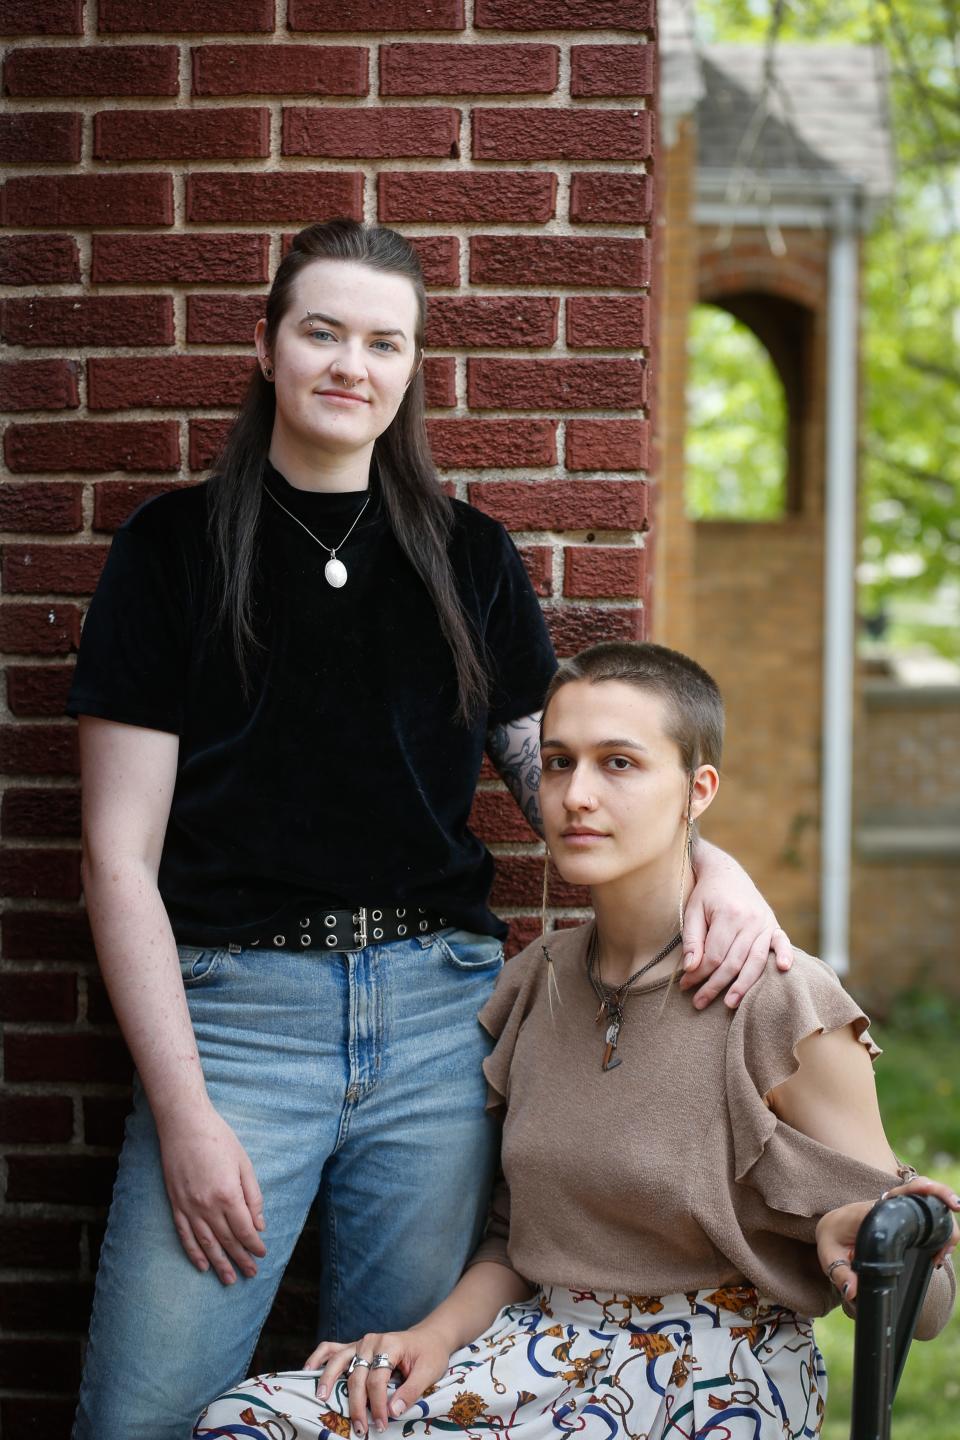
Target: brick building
(771,232)
(760,228)
(157,155)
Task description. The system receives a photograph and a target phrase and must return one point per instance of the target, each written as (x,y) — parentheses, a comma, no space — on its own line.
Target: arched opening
(746,407)
(737,422)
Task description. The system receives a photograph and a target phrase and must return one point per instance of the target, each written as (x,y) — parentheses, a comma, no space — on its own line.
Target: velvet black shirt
(341,778)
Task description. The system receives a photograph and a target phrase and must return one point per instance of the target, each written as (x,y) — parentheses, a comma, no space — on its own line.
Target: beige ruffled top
(668,1173)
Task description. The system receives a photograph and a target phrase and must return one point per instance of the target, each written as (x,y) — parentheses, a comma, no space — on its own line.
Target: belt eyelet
(331,941)
(280,941)
(401,930)
(378,933)
(304,940)
(329,921)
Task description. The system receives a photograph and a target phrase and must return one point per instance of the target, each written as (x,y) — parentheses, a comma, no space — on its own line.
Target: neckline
(319,509)
(579,959)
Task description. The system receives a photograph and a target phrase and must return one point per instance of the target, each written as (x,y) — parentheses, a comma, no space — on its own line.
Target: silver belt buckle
(360,934)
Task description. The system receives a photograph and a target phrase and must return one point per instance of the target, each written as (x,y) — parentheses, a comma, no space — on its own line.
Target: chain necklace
(335,572)
(612,997)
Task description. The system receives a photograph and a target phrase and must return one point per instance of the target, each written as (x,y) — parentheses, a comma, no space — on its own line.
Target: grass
(920,1100)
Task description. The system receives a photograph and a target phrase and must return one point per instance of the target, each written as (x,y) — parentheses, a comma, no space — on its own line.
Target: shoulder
(522,985)
(807,980)
(522,976)
(478,531)
(178,517)
(783,1009)
(566,946)
(473,521)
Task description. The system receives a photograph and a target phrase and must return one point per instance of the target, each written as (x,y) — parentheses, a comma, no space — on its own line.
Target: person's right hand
(420,1355)
(837,1232)
(216,1201)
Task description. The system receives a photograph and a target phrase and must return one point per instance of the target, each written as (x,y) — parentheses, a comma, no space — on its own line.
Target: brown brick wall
(908,755)
(674,614)
(756,592)
(159,151)
(905,910)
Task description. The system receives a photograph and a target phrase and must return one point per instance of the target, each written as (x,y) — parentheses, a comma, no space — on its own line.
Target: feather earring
(552,986)
(687,857)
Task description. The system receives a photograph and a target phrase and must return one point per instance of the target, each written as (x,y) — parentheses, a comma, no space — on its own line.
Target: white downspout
(839,565)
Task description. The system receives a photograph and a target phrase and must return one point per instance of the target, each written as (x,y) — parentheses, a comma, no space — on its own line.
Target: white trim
(838,599)
(724,214)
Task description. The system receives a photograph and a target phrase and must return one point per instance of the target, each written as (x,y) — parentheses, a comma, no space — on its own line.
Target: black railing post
(893,1259)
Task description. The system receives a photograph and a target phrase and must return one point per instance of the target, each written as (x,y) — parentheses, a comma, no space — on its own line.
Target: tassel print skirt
(711,1363)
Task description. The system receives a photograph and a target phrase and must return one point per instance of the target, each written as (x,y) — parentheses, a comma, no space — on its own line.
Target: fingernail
(321,1391)
(733,998)
(844,1288)
(380,1427)
(885,1194)
(358,1430)
(955,1199)
(260,1222)
(689,963)
(396,1407)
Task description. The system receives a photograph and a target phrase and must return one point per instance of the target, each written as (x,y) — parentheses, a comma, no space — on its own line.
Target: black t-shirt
(341,777)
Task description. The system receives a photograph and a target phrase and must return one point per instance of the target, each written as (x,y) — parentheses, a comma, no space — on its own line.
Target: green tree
(910,565)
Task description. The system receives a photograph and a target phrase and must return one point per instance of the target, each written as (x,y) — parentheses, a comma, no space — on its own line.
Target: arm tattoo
(515,751)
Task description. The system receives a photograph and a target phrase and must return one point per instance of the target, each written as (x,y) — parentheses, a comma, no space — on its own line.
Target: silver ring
(381,1361)
(356,1363)
(841,1260)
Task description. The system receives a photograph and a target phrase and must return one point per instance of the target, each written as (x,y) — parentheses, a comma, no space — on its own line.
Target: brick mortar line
(43,782)
(188,103)
(282,35)
(280,164)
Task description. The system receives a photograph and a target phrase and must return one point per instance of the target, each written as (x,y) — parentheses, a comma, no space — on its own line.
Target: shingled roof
(827,121)
(828,117)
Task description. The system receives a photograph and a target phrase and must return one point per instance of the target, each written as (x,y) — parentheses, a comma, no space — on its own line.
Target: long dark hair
(417,510)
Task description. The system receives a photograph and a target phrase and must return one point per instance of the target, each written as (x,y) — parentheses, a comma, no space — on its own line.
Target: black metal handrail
(893,1260)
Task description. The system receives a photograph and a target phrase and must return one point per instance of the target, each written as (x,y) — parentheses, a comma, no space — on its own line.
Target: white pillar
(839,620)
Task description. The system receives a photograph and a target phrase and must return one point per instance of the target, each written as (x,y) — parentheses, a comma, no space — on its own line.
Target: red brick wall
(158,152)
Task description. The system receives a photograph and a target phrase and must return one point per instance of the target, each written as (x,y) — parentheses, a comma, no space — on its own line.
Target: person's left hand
(728,931)
(419,1355)
(837,1232)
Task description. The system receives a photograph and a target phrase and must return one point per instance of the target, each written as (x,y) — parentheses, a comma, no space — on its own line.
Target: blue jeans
(355,1076)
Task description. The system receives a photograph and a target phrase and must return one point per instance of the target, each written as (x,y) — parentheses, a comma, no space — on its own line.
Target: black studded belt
(349,929)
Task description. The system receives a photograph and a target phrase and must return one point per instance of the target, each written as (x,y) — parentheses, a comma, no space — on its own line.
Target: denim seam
(333,1260)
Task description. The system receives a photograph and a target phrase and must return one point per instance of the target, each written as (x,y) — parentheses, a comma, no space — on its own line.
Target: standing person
(681,1191)
(287,680)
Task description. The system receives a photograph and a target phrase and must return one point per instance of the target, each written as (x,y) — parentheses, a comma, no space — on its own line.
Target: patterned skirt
(717,1363)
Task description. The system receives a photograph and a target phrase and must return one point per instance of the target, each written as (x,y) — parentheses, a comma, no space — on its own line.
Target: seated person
(650,1264)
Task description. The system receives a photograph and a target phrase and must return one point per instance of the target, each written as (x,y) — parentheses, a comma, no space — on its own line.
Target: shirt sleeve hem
(516,709)
(121,714)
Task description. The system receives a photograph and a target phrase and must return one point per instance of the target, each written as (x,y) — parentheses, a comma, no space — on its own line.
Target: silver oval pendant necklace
(334,572)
